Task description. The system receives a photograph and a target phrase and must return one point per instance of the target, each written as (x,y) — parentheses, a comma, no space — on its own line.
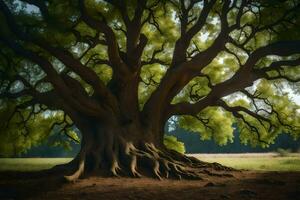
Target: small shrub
(171,142)
(283,152)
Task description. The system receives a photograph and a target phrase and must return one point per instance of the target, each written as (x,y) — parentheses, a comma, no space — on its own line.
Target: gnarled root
(77,173)
(149,160)
(79,170)
(126,159)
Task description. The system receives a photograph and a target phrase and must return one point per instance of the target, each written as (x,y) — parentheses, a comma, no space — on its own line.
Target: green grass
(264,163)
(30,164)
(289,163)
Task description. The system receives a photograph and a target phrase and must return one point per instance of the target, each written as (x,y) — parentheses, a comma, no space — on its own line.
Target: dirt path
(244,185)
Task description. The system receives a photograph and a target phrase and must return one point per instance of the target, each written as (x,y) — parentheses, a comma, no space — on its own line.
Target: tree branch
(242,79)
(66,58)
(113,48)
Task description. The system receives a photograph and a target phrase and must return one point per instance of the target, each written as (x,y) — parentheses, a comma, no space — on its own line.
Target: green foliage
(151,76)
(196,89)
(274,97)
(223,67)
(211,123)
(277,106)
(17,137)
(172,143)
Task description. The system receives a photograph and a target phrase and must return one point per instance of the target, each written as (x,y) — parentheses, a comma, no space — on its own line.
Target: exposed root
(115,168)
(148,160)
(77,173)
(133,167)
(165,163)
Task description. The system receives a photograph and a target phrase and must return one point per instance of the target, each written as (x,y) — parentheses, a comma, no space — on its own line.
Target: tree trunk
(131,151)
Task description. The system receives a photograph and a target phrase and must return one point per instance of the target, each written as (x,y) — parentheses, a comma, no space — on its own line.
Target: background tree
(118,70)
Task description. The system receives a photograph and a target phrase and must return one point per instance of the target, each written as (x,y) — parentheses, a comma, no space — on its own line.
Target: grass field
(30,164)
(262,162)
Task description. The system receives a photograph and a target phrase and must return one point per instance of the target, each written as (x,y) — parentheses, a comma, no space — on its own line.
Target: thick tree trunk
(127,142)
(133,152)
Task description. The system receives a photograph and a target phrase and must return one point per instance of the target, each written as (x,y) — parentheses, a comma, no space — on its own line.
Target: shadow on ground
(244,185)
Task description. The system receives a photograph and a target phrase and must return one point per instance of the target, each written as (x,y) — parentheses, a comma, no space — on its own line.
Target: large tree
(119,70)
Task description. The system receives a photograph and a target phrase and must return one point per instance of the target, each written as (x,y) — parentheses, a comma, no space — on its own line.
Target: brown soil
(243,185)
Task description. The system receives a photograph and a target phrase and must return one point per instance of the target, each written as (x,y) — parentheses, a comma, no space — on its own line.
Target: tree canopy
(207,64)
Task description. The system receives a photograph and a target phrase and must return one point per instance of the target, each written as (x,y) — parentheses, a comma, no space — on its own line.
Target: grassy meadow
(30,164)
(260,162)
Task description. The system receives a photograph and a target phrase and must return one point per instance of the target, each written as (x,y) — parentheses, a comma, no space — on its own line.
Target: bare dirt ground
(243,185)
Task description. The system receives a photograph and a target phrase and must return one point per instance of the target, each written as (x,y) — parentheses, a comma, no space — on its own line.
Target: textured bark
(117,137)
(112,151)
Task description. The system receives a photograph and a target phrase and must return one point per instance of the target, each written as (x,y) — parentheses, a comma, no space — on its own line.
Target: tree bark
(131,151)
